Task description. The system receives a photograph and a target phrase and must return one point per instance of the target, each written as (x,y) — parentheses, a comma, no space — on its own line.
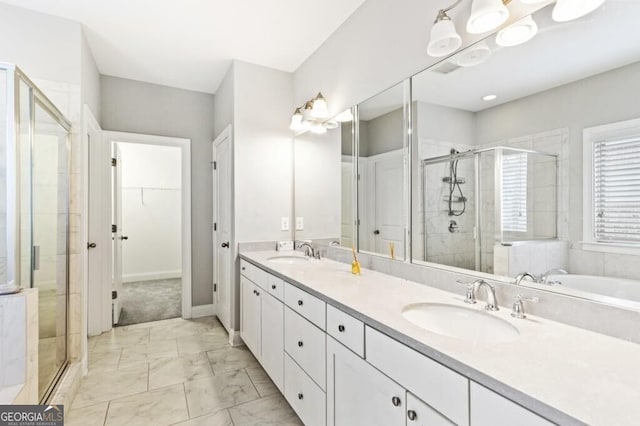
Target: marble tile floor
(175,372)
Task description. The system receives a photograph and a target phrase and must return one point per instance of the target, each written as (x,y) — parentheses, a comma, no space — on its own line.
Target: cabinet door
(250,312)
(490,409)
(358,394)
(420,414)
(272,338)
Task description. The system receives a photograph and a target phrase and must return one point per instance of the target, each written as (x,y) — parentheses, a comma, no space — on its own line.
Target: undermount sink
(291,260)
(460,322)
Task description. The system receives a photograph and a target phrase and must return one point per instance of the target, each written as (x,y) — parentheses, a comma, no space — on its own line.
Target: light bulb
(486,15)
(444,38)
(568,10)
(517,33)
(319,109)
(296,121)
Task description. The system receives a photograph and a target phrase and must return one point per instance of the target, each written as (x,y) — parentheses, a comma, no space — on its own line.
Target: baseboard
(151,276)
(235,339)
(203,311)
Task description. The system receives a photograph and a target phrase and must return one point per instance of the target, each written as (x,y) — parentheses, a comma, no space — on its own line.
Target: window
(612,186)
(514,192)
(616,191)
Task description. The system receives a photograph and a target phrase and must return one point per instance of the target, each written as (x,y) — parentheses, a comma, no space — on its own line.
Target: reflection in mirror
(381,183)
(502,166)
(348,188)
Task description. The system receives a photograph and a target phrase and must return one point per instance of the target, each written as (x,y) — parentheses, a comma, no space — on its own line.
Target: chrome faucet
(309,250)
(523,275)
(472,291)
(555,271)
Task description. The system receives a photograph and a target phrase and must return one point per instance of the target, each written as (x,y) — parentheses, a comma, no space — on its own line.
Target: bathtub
(619,288)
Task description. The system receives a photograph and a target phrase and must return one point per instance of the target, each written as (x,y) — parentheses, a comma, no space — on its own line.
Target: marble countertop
(565,374)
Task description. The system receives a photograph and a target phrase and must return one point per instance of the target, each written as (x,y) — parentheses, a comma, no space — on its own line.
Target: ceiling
(559,54)
(189,44)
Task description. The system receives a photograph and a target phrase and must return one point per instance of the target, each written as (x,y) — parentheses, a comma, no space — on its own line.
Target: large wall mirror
(523,159)
(499,174)
(380,149)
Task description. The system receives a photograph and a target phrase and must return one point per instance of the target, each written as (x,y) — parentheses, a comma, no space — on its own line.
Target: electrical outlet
(299,223)
(284,224)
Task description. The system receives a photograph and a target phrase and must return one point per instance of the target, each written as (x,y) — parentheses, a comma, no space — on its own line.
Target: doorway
(146,232)
(146,207)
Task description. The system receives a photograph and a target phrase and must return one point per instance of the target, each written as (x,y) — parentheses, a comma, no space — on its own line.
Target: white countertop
(564,373)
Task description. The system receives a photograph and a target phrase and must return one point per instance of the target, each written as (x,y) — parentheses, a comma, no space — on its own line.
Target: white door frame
(185,150)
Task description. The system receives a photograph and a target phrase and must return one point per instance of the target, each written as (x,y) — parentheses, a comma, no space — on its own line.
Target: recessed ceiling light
(489,97)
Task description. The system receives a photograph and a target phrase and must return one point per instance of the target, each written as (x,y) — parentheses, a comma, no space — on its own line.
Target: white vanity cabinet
(262,324)
(358,394)
(490,409)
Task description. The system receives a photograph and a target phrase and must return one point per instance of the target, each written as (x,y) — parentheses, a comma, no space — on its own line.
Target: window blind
(514,192)
(616,191)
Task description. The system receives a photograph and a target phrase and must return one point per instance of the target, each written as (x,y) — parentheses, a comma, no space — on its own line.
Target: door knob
(91,245)
(124,237)
(376,232)
(412,415)
(396,401)
(225,245)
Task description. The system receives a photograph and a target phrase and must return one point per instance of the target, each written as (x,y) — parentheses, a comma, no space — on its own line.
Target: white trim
(185,146)
(203,311)
(235,339)
(591,135)
(151,276)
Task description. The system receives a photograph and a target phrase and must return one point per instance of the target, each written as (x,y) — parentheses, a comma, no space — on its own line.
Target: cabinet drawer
(346,329)
(488,409)
(441,388)
(253,273)
(306,344)
(304,396)
(275,287)
(420,414)
(305,304)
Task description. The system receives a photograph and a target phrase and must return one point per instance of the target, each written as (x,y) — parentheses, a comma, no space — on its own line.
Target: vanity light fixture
(487,15)
(444,38)
(517,33)
(312,116)
(568,10)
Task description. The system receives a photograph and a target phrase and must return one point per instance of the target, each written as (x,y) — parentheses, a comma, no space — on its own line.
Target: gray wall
(384,134)
(136,107)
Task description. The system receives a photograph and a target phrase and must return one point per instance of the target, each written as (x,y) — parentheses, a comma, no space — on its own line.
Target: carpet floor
(147,301)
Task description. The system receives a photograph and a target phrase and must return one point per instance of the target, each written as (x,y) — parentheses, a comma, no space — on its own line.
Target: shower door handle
(36,258)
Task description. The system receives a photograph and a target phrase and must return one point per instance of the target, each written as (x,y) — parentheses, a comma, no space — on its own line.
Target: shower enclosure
(35,216)
(476,199)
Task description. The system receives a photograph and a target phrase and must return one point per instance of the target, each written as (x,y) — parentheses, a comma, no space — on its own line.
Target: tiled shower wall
(444,247)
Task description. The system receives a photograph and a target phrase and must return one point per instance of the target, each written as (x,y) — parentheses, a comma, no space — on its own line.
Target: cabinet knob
(396,401)
(300,396)
(300,343)
(299,302)
(341,328)
(273,286)
(412,415)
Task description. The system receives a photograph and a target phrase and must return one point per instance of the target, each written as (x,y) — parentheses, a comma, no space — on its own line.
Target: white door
(118,236)
(346,234)
(222,238)
(388,227)
(99,230)
(250,315)
(272,338)
(358,394)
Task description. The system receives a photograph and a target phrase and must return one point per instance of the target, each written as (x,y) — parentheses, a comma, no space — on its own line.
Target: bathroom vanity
(341,351)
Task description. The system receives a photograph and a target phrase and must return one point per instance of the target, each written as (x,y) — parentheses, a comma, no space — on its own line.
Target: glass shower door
(49,225)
